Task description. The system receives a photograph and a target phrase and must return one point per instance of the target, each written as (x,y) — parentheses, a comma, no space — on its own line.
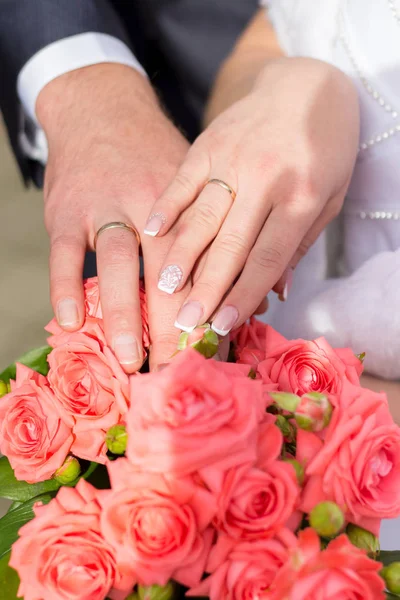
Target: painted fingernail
(225,320)
(154,224)
(170,278)
(189,316)
(67,313)
(126,349)
(289,280)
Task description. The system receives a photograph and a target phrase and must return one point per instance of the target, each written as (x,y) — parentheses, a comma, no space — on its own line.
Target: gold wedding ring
(223,185)
(116,225)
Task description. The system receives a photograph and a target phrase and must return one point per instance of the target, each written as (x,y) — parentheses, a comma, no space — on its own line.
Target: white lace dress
(360,308)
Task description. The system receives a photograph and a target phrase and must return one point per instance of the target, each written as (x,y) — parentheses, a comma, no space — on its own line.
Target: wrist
(93,94)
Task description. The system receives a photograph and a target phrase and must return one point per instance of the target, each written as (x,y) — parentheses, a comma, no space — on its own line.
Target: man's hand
(112,152)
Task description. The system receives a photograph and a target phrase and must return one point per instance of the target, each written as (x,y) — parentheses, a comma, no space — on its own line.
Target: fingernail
(289,280)
(126,349)
(189,316)
(67,313)
(170,278)
(154,224)
(225,320)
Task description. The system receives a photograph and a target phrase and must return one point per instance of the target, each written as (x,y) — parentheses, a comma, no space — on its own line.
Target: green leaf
(390,596)
(35,359)
(12,522)
(21,491)
(9,580)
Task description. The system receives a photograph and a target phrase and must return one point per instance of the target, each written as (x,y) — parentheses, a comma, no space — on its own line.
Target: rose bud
(4,388)
(156,592)
(391,575)
(361,538)
(69,471)
(313,412)
(203,339)
(117,439)
(327,519)
(285,401)
(287,428)
(298,469)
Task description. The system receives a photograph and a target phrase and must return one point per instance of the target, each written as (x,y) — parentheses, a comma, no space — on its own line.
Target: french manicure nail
(289,280)
(225,320)
(189,316)
(126,349)
(169,279)
(67,313)
(154,224)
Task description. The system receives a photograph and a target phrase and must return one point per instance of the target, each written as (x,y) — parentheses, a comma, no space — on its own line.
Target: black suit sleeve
(27,26)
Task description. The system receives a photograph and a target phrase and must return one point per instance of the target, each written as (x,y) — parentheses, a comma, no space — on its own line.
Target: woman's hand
(287,150)
(112,152)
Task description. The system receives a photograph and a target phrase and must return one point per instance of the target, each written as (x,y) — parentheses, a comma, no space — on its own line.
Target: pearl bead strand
(368,87)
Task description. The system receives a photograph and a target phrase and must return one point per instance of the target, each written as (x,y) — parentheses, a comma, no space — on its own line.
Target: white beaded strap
(376,215)
(373,92)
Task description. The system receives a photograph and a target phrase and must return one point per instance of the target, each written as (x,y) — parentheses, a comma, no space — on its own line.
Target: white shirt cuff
(67,55)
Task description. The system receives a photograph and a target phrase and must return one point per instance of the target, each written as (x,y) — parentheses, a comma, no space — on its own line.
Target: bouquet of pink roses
(265,478)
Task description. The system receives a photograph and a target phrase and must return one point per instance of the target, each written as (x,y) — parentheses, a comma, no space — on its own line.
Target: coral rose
(32,435)
(299,366)
(250,342)
(255,501)
(159,527)
(192,414)
(246,572)
(341,571)
(89,384)
(358,466)
(93,305)
(61,554)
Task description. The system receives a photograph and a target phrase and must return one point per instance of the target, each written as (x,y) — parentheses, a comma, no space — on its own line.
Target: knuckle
(268,258)
(185,182)
(304,247)
(205,216)
(165,340)
(118,248)
(231,243)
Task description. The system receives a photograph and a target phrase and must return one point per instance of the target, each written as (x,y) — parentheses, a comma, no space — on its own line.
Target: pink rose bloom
(299,366)
(246,572)
(160,528)
(62,555)
(93,305)
(255,501)
(34,438)
(89,384)
(250,342)
(191,414)
(358,465)
(341,571)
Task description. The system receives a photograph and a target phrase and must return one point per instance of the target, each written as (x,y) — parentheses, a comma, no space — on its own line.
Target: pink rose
(250,342)
(299,366)
(191,414)
(341,571)
(89,384)
(62,555)
(93,305)
(358,465)
(255,501)
(246,572)
(34,438)
(160,528)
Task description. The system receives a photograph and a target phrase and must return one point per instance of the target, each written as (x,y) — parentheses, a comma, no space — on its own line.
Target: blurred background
(24,288)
